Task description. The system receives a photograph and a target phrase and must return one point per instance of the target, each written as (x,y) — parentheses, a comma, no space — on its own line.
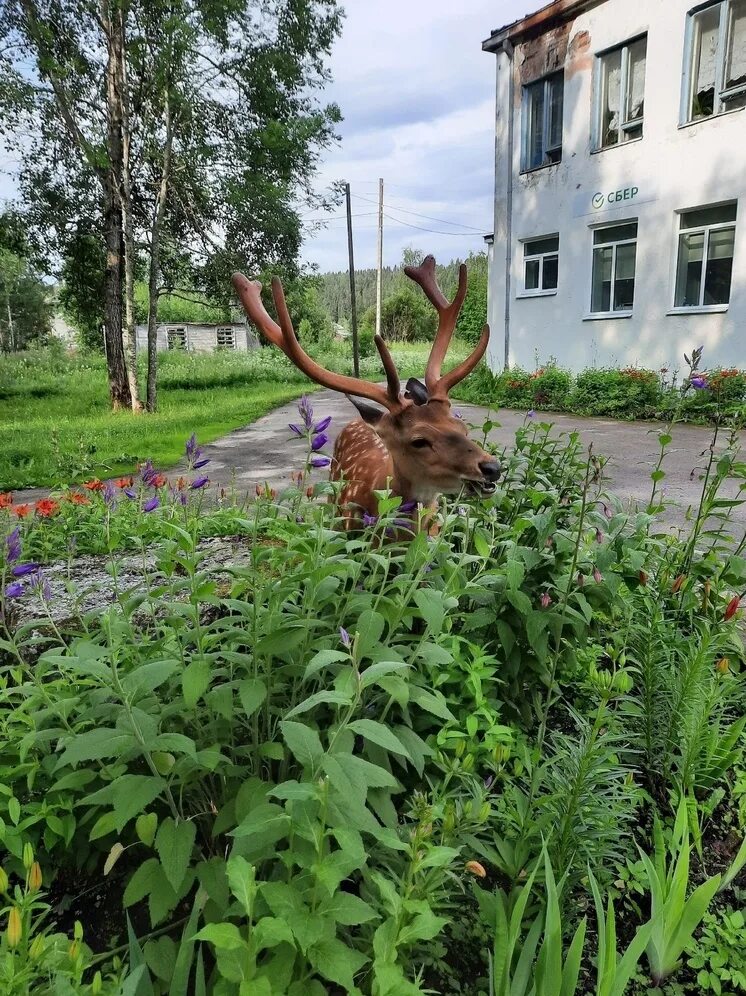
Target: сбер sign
(609,200)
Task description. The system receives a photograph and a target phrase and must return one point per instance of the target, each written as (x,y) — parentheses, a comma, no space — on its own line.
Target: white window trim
(598,95)
(526,130)
(540,291)
(701,308)
(622,242)
(721,95)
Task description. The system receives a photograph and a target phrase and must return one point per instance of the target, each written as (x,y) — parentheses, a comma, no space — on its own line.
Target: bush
(628,393)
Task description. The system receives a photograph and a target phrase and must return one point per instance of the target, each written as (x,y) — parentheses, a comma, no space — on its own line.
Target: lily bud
(28,856)
(460,747)
(468,762)
(97,984)
(676,586)
(732,608)
(34,877)
(37,947)
(3,880)
(15,928)
(722,666)
(475,868)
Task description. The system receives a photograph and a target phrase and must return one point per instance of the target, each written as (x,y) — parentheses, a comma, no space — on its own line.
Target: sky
(418,99)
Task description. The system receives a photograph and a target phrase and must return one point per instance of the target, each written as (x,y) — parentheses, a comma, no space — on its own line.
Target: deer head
(427,449)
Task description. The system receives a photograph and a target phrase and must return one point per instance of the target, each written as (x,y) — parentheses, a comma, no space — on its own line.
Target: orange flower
(6,500)
(76,498)
(124,482)
(181,483)
(46,507)
(158,480)
(21,511)
(309,492)
(258,490)
(475,868)
(677,584)
(732,607)
(94,485)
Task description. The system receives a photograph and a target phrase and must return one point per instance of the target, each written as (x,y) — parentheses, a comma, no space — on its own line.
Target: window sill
(535,169)
(617,145)
(537,293)
(710,117)
(603,316)
(709,309)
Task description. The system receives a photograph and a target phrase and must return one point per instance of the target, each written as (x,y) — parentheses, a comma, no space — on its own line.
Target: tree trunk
(155,255)
(115,359)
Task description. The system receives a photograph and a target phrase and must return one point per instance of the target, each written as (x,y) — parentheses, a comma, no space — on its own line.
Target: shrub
(628,393)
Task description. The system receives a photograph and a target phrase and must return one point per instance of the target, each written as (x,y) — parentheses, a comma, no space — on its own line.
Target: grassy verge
(58,428)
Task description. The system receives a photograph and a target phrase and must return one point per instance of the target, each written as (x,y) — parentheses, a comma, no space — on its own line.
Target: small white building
(620,185)
(199,338)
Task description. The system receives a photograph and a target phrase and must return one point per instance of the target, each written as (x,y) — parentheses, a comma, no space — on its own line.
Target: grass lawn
(57,426)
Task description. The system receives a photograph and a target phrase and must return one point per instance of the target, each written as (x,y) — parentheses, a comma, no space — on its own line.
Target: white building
(620,185)
(195,337)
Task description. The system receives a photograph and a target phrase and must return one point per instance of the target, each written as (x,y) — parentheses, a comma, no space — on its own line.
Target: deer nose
(490,470)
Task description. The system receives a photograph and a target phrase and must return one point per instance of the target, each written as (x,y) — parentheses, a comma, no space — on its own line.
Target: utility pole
(380,257)
(353,304)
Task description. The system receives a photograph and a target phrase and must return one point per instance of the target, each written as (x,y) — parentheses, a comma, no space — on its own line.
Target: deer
(412,444)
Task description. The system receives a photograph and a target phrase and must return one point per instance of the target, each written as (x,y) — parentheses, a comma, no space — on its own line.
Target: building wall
(672,167)
(199,338)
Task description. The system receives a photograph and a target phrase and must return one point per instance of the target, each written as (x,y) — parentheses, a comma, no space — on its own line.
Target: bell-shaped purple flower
(369,520)
(23,570)
(319,442)
(109,494)
(296,429)
(130,492)
(13,545)
(319,461)
(306,411)
(408,506)
(699,383)
(199,482)
(323,424)
(345,637)
(14,590)
(151,504)
(200,463)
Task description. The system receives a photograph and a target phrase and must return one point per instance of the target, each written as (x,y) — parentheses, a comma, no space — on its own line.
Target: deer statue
(415,446)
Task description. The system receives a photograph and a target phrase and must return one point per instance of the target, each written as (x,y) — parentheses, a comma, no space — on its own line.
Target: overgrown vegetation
(501,759)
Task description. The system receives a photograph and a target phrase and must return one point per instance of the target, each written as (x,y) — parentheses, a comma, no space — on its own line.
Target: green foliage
(405,317)
(718,956)
(629,393)
(82,288)
(25,308)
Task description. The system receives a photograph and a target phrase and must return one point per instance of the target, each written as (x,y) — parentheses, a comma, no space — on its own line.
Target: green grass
(57,426)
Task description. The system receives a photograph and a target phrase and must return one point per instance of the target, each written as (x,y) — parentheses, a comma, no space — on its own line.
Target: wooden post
(380,257)
(353,303)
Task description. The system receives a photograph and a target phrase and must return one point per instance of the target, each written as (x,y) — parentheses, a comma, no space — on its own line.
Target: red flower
(76,498)
(46,507)
(732,608)
(21,511)
(6,500)
(94,485)
(158,480)
(124,482)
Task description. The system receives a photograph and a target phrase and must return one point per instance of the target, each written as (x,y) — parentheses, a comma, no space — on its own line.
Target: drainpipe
(508,50)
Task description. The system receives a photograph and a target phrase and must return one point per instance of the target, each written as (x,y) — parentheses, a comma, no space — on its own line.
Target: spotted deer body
(412,444)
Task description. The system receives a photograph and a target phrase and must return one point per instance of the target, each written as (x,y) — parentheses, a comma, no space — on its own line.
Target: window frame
(230,331)
(598,87)
(177,331)
(544,81)
(539,291)
(701,307)
(621,312)
(721,94)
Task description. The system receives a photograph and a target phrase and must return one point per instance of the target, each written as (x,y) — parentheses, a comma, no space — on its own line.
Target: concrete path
(265,452)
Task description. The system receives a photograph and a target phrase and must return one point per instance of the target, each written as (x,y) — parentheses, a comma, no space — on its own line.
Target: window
(540,265)
(613,284)
(226,338)
(715,70)
(620,94)
(542,122)
(705,260)
(177,338)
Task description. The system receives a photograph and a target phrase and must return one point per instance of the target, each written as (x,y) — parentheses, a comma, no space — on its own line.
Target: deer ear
(417,391)
(367,412)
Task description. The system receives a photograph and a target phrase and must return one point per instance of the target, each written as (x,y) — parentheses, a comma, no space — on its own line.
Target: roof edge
(541,20)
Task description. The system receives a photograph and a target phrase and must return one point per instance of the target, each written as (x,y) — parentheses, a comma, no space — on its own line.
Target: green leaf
(145,827)
(222,935)
(269,932)
(174,843)
(347,909)
(336,962)
(95,745)
(373,674)
(195,681)
(268,820)
(148,677)
(379,734)
(242,881)
(142,882)
(303,742)
(252,692)
(323,659)
(129,795)
(160,956)
(423,927)
(14,810)
(432,702)
(430,603)
(319,698)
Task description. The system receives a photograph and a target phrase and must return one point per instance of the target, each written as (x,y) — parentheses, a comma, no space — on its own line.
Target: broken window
(177,338)
(620,94)
(715,71)
(540,265)
(705,260)
(542,122)
(613,283)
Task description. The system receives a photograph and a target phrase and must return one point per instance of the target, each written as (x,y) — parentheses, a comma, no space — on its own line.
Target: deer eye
(420,443)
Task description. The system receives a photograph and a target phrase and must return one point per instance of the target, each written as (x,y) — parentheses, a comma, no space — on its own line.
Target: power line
(408,224)
(418,214)
(338,217)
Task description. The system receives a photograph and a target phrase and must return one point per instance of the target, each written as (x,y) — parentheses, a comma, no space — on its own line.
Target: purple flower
(306,411)
(345,637)
(295,428)
(319,442)
(14,590)
(182,498)
(408,506)
(23,570)
(147,472)
(199,464)
(699,383)
(191,446)
(199,482)
(40,586)
(457,414)
(13,545)
(369,520)
(461,510)
(323,424)
(320,461)
(131,493)
(531,413)
(109,494)
(151,504)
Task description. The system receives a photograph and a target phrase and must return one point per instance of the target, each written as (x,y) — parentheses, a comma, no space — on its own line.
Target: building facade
(198,338)
(620,185)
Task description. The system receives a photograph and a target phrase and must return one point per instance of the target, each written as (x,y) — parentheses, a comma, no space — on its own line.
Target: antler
(283,336)
(438,386)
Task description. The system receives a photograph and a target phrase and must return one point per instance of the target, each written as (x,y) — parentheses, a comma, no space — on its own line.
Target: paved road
(263,452)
